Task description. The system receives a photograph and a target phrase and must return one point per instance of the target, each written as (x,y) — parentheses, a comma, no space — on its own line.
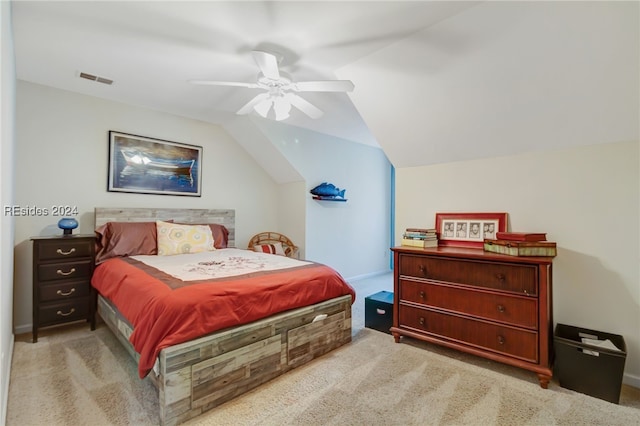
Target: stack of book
(521,244)
(420,237)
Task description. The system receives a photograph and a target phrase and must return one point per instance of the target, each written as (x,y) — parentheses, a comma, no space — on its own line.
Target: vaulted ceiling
(435,81)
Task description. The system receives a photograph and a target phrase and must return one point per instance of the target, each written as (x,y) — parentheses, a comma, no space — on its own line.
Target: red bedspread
(164,315)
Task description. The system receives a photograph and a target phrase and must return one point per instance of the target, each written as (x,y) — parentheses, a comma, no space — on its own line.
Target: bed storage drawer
(314,339)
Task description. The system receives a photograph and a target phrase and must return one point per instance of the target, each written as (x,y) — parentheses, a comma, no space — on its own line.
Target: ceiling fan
(280,89)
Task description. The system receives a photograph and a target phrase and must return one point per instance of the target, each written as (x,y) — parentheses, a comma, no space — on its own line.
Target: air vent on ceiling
(95,78)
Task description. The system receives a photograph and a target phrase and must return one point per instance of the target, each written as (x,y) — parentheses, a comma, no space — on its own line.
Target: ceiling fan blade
(225,83)
(304,105)
(246,109)
(323,86)
(267,63)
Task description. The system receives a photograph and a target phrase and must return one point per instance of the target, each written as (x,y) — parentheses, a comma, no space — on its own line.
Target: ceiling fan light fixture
(263,107)
(282,107)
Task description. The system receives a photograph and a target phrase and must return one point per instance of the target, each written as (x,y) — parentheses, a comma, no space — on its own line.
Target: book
(419,243)
(422,230)
(521,236)
(420,237)
(521,248)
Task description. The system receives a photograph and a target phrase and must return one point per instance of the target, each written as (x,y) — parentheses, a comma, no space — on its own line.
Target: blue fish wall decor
(328,191)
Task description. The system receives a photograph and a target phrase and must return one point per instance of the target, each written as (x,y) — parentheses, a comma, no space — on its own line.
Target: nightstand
(62,269)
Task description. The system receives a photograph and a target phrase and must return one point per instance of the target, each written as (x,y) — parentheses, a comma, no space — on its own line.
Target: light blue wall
(353,236)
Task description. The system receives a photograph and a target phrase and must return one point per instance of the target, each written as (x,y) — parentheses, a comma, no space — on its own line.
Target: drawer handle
(62,314)
(380,311)
(65,253)
(422,321)
(501,309)
(501,340)
(71,271)
(501,277)
(423,269)
(61,293)
(423,295)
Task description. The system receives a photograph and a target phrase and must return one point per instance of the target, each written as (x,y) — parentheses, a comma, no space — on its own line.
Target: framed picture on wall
(153,166)
(469,229)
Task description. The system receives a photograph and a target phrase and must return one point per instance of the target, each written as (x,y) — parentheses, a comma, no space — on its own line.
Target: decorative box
(378,311)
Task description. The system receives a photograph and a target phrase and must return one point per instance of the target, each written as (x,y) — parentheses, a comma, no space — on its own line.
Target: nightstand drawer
(61,250)
(520,279)
(72,310)
(65,271)
(63,291)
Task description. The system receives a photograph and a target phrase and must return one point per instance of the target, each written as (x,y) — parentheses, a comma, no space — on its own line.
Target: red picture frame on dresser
(469,229)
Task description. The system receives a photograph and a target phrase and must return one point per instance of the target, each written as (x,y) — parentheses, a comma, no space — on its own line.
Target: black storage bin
(586,368)
(378,311)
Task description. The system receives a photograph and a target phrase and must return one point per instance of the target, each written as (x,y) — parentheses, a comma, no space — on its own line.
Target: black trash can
(585,364)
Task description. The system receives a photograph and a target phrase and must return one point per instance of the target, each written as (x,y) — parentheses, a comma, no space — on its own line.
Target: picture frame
(145,165)
(469,229)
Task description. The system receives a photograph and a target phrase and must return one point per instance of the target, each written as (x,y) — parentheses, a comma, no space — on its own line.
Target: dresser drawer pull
(501,308)
(501,340)
(422,321)
(62,314)
(423,270)
(65,253)
(423,295)
(61,293)
(501,277)
(71,271)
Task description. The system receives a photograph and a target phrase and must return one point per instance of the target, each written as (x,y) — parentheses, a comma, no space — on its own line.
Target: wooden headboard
(222,217)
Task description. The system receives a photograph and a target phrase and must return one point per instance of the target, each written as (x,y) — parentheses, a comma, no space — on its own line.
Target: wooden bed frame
(198,375)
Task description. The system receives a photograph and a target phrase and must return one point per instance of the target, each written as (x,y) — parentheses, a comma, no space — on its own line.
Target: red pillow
(117,239)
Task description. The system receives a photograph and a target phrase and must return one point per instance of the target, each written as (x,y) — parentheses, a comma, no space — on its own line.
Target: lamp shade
(67,224)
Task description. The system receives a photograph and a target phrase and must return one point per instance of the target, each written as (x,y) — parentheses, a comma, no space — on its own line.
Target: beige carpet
(79,377)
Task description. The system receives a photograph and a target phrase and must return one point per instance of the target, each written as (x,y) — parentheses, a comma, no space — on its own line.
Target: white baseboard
(22,329)
(631,380)
(369,275)
(7,378)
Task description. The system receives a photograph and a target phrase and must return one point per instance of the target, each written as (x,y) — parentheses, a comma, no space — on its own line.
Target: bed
(210,325)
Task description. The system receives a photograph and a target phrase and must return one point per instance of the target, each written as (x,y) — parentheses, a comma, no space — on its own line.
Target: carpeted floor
(79,377)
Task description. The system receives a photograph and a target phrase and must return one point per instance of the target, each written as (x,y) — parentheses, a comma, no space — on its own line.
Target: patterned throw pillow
(175,238)
(275,248)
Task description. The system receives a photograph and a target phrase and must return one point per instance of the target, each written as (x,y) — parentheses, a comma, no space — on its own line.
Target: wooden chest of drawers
(495,306)
(62,269)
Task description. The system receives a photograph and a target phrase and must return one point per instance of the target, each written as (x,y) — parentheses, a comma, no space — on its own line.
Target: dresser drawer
(518,343)
(60,291)
(71,310)
(65,271)
(516,310)
(61,250)
(520,279)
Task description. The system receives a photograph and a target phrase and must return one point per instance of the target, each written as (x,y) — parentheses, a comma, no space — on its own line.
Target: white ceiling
(435,81)
(151,49)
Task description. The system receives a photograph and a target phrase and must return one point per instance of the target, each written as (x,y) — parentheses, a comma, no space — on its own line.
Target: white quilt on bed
(218,263)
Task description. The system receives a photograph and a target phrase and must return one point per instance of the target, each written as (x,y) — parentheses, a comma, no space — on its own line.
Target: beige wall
(7,146)
(586,199)
(61,150)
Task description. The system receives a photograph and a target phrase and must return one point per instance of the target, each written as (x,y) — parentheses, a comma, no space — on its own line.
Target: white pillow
(175,238)
(275,248)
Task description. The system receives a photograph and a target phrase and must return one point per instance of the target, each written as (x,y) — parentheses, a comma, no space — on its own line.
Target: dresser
(62,269)
(490,305)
